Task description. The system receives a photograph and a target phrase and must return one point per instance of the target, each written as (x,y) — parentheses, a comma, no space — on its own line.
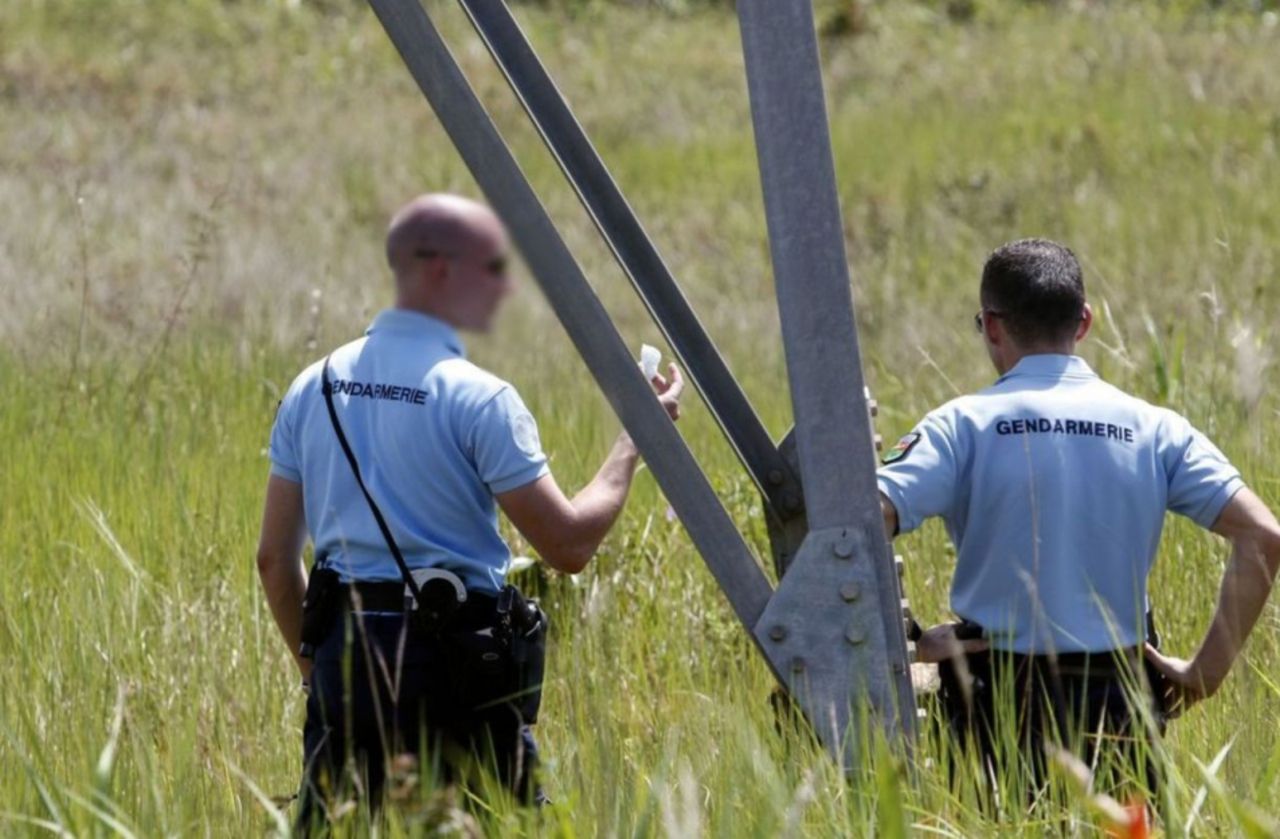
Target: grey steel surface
(823,633)
(636,254)
(576,305)
(786,537)
(833,431)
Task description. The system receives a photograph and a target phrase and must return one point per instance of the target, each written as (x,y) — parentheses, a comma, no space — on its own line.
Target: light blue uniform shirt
(436,438)
(1054,486)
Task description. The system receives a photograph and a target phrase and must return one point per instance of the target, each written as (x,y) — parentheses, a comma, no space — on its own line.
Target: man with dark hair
(1054,486)
(1036,286)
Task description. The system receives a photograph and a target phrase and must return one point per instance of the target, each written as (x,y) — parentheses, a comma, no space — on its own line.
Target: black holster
(319,608)
(502,662)
(524,624)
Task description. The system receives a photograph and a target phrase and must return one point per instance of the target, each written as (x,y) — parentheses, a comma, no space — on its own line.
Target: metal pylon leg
(834,626)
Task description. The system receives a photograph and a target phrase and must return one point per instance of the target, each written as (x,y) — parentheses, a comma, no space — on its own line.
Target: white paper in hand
(650,358)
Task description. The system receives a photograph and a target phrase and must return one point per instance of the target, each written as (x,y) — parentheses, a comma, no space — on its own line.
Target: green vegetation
(191,203)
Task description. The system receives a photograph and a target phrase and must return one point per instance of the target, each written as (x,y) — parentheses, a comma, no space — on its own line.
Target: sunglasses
(497,266)
(985,313)
(990,313)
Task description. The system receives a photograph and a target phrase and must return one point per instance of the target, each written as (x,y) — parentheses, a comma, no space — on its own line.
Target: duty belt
(1102,664)
(476,612)
(1105,664)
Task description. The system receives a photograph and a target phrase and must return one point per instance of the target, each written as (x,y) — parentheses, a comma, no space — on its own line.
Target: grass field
(192,198)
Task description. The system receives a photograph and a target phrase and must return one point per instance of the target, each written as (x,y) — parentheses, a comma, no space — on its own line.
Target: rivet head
(843,548)
(775,476)
(855,635)
(790,502)
(850,592)
(778,632)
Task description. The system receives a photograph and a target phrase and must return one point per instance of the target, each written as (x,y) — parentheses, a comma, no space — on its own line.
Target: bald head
(441,223)
(449,258)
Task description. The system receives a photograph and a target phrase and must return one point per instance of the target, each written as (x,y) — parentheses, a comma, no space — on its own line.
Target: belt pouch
(528,644)
(319,608)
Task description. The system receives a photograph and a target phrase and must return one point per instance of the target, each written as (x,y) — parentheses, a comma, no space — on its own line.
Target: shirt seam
(901,509)
(518,479)
(289,473)
(1221,498)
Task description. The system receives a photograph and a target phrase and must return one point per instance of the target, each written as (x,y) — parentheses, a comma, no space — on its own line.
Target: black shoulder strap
(327,388)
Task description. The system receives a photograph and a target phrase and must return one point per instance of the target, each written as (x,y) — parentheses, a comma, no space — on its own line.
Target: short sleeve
(919,475)
(283,450)
(505,445)
(1201,479)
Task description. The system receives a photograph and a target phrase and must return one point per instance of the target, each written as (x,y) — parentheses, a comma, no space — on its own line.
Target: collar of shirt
(418,325)
(1049,366)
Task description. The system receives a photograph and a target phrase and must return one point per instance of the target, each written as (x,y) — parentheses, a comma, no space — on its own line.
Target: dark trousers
(1083,703)
(380,690)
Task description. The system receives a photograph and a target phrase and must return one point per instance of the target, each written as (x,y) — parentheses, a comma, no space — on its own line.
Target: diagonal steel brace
(576,304)
(636,254)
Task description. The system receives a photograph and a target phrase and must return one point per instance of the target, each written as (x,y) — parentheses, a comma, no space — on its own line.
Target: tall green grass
(191,203)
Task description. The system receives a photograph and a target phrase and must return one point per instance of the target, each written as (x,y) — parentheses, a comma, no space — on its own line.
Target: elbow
(268,562)
(1270,544)
(570,559)
(1258,554)
(568,547)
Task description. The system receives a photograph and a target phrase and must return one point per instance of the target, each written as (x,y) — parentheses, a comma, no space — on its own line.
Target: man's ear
(994,327)
(433,273)
(1086,323)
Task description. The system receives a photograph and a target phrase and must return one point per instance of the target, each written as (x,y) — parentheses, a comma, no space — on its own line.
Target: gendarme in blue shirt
(436,437)
(1054,486)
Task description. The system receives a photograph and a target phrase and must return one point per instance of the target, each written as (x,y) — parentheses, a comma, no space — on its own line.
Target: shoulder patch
(525,431)
(902,448)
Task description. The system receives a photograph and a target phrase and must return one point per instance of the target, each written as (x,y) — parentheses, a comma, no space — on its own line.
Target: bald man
(393,455)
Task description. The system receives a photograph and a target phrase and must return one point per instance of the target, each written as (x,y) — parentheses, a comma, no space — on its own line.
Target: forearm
(285,585)
(1246,584)
(600,502)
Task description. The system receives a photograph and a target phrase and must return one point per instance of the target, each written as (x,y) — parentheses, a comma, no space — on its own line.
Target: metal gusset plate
(576,305)
(635,252)
(786,537)
(834,626)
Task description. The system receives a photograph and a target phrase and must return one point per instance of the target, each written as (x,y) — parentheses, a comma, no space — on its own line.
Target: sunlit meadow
(192,199)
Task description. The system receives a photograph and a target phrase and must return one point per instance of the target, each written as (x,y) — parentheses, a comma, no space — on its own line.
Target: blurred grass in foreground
(192,199)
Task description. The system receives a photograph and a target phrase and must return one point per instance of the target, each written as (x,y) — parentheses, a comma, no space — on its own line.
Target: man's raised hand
(670,389)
